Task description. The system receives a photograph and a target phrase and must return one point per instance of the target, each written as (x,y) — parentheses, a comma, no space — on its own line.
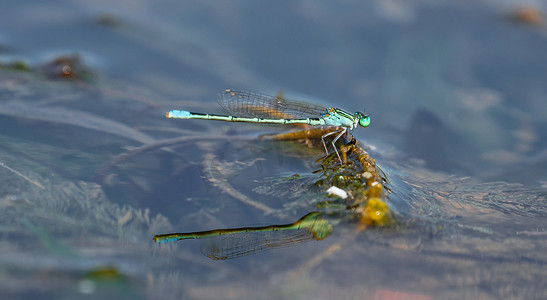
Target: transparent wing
(257,105)
(247,243)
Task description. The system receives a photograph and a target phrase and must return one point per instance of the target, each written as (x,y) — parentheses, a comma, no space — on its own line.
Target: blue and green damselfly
(252,107)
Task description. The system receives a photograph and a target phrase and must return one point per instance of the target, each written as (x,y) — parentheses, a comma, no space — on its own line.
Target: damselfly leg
(339,133)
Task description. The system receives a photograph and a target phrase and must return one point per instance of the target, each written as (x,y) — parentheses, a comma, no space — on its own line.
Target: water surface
(457,98)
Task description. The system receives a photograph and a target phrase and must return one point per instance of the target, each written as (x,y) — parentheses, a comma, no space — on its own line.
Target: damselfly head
(364,120)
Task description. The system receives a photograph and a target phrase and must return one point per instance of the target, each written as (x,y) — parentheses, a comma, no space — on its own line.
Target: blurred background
(457,96)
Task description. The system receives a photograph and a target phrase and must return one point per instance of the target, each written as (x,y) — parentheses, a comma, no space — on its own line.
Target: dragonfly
(253,107)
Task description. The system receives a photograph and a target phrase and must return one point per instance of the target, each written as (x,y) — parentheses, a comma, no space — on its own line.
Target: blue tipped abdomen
(178,114)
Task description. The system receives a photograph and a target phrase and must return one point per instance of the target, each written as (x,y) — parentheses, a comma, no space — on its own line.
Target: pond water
(91,169)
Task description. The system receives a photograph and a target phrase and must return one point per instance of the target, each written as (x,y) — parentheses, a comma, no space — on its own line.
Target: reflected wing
(247,243)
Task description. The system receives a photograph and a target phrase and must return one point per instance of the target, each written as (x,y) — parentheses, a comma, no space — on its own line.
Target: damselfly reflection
(236,242)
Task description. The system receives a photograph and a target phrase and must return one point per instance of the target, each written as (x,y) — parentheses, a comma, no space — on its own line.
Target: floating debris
(527,15)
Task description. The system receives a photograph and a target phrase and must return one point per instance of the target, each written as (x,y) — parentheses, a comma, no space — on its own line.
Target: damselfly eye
(364,121)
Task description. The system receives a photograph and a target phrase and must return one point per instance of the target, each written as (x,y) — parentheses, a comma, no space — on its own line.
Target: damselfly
(252,107)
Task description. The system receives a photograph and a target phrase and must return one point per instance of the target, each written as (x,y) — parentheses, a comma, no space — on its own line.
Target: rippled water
(92,170)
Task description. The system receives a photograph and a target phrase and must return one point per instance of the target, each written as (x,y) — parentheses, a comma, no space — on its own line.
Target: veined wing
(246,243)
(256,105)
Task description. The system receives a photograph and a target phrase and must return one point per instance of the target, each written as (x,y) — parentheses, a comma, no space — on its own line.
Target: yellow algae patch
(375,190)
(376,213)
